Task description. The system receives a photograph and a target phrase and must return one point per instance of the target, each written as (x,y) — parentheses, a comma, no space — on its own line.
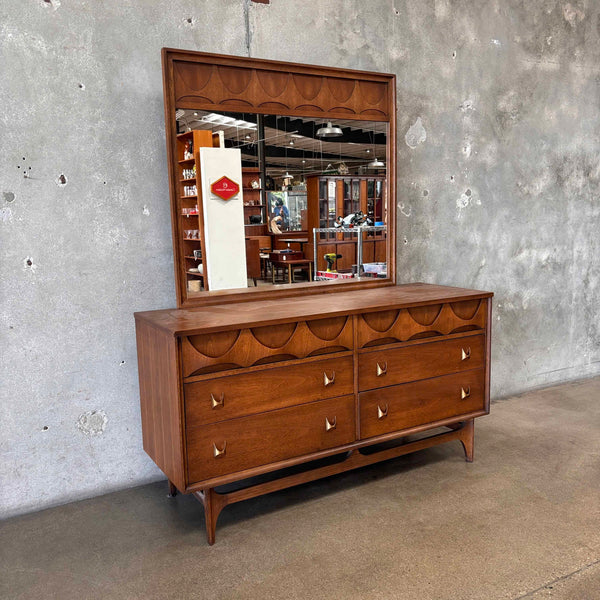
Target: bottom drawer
(238,444)
(412,404)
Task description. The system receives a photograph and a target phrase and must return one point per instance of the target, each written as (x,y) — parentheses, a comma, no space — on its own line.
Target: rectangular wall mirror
(314,200)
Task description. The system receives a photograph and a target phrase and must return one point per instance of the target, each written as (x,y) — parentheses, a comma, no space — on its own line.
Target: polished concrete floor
(522,521)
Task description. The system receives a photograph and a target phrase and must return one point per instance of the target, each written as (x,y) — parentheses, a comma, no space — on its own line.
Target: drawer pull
(328,380)
(216,403)
(217,453)
(381,370)
(465,393)
(466,353)
(382,412)
(330,425)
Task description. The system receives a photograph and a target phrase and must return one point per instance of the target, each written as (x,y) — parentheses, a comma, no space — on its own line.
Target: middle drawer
(391,366)
(222,398)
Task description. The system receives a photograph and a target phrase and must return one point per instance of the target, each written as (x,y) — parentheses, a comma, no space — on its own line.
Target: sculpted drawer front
(381,368)
(231,446)
(401,325)
(421,402)
(241,348)
(222,398)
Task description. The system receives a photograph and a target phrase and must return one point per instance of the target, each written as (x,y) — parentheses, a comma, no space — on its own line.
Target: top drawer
(401,325)
(381,368)
(241,348)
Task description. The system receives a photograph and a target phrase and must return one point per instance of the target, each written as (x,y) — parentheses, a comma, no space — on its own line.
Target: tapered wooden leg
(172,490)
(467,439)
(213,505)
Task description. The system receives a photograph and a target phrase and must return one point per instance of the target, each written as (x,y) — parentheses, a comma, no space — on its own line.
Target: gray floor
(522,521)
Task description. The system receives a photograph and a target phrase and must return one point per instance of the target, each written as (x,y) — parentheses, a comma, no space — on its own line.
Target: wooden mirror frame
(215,82)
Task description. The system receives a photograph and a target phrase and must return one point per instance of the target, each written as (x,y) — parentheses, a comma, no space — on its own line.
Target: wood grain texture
(269,437)
(162,421)
(399,407)
(257,313)
(259,391)
(392,366)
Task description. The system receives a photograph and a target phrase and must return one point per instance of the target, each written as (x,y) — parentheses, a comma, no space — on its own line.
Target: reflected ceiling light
(228,121)
(329,131)
(376,164)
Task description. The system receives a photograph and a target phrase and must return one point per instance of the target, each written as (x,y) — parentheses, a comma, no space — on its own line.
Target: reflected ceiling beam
(284,152)
(308,129)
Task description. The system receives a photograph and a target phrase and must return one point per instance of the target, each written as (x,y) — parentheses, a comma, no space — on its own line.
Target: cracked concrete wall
(498,167)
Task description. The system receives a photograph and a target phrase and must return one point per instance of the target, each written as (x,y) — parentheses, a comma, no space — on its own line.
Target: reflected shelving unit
(190,222)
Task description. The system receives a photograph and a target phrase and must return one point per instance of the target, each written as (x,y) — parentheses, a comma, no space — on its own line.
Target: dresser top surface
(268,312)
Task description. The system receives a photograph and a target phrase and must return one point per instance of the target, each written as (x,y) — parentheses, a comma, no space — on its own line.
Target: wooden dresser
(248,390)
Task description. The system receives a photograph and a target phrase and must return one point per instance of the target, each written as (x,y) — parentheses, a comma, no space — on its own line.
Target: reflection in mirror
(313,197)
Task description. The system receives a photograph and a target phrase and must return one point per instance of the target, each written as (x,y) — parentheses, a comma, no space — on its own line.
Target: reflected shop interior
(310,202)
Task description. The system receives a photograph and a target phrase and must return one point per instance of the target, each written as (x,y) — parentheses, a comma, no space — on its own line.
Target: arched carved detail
(371,92)
(274,336)
(381,321)
(341,89)
(262,90)
(235,80)
(465,310)
(420,322)
(327,329)
(215,345)
(262,345)
(273,84)
(425,315)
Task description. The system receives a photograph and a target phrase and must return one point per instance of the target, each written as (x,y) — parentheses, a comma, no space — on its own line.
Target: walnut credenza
(247,390)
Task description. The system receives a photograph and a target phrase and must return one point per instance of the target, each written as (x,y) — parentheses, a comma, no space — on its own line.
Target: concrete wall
(498,163)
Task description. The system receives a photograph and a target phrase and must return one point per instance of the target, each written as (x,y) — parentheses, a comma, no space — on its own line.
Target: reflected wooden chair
(253,259)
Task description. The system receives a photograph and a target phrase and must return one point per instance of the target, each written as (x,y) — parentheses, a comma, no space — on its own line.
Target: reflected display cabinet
(333,196)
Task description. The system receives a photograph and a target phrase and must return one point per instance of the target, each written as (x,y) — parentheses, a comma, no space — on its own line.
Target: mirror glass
(313,198)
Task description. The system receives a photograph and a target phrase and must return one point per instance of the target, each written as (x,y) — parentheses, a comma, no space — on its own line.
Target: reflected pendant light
(329,131)
(376,164)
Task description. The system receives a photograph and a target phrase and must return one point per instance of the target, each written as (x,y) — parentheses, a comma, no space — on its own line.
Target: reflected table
(291,260)
(300,241)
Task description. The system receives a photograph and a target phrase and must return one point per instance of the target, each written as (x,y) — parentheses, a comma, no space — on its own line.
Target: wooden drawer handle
(466,353)
(381,370)
(382,412)
(216,403)
(328,380)
(465,393)
(329,425)
(217,453)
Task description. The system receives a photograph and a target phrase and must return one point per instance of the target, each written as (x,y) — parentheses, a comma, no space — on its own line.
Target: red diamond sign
(225,188)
